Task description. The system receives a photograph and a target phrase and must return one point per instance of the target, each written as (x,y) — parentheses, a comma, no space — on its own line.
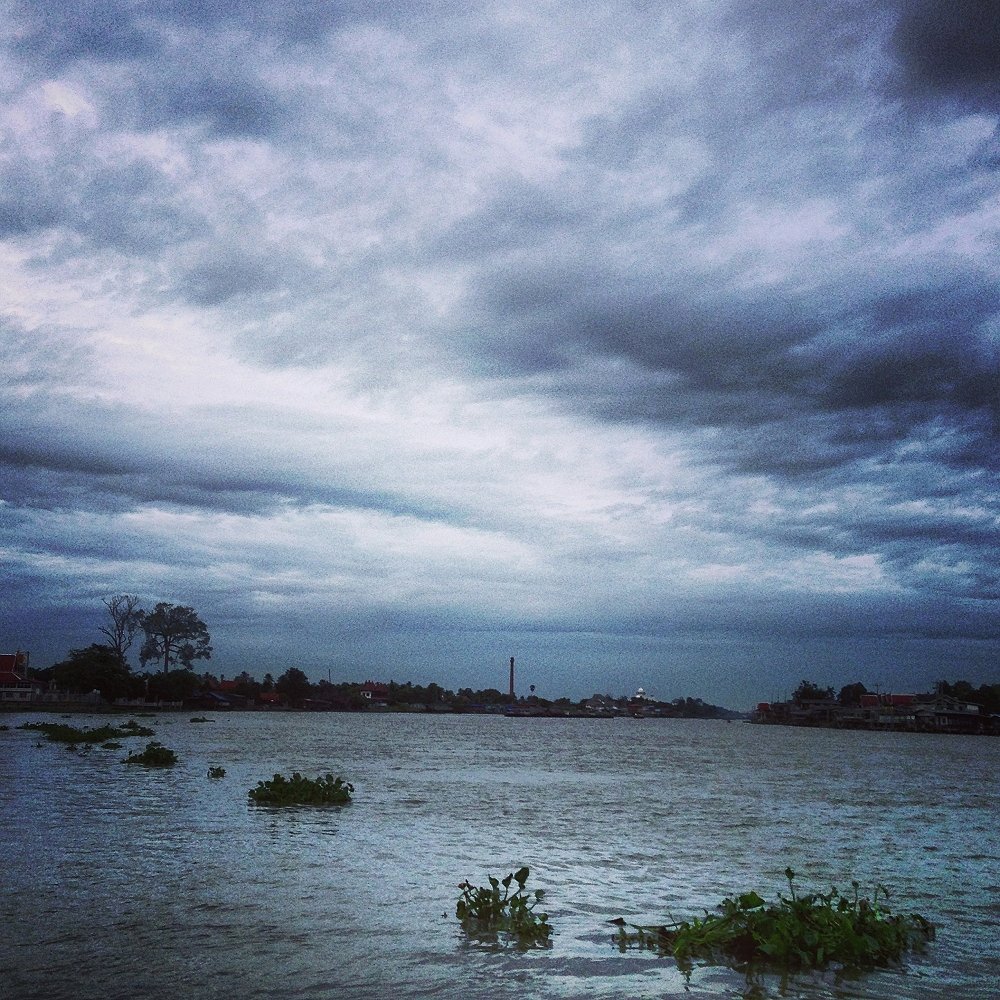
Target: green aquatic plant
(811,931)
(133,728)
(216,772)
(486,911)
(57,732)
(300,791)
(111,745)
(200,718)
(155,755)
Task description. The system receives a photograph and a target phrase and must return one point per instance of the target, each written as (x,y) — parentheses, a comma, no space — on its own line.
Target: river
(123,882)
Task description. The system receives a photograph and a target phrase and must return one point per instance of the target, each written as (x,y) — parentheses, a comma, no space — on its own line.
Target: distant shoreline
(152,708)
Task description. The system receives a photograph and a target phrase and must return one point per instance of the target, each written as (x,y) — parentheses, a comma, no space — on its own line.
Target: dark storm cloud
(951,49)
(801,380)
(126,205)
(122,30)
(724,361)
(58,454)
(84,483)
(176,73)
(232,105)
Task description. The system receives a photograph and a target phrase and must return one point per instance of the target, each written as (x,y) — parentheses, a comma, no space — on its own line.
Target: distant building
(910,712)
(14,683)
(375,692)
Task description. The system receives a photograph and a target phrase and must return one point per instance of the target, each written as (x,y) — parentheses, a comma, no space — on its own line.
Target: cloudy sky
(650,343)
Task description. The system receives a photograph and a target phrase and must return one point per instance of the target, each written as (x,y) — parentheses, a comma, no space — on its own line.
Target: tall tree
(850,694)
(174,634)
(125,620)
(294,685)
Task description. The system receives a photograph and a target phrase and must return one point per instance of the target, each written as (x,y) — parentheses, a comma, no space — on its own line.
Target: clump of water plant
(58,732)
(155,755)
(133,728)
(300,791)
(200,718)
(216,772)
(486,911)
(111,745)
(796,932)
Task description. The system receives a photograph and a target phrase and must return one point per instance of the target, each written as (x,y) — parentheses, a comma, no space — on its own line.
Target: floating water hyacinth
(488,912)
(58,732)
(155,755)
(300,791)
(796,932)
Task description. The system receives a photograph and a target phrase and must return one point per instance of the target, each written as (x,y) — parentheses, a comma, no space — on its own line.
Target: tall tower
(512,678)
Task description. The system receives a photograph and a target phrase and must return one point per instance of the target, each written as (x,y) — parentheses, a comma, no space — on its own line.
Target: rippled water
(122,882)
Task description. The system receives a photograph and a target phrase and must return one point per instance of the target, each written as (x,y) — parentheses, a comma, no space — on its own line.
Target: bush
(155,755)
(486,912)
(797,932)
(300,791)
(216,772)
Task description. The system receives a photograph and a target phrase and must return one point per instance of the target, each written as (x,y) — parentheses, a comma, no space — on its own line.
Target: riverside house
(905,712)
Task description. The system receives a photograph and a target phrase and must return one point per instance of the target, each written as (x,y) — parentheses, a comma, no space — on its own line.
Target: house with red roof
(375,692)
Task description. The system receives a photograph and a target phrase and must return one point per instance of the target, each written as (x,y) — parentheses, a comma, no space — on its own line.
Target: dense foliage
(294,685)
(216,772)
(796,932)
(807,691)
(488,912)
(175,634)
(155,755)
(301,791)
(96,668)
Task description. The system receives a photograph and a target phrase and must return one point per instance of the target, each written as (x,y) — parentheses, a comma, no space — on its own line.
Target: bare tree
(126,619)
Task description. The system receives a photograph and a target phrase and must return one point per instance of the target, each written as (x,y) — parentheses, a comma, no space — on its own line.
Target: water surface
(122,882)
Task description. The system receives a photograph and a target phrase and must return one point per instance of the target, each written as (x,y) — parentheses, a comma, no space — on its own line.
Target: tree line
(986,696)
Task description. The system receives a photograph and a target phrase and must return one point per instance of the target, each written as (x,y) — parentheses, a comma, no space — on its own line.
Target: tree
(126,619)
(174,634)
(246,685)
(96,668)
(850,694)
(294,685)
(807,691)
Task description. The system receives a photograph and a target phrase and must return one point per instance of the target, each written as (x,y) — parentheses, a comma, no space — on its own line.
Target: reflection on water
(122,882)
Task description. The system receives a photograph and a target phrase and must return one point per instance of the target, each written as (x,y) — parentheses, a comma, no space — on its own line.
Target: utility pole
(512,680)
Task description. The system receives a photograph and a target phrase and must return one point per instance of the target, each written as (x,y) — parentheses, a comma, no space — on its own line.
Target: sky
(650,343)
